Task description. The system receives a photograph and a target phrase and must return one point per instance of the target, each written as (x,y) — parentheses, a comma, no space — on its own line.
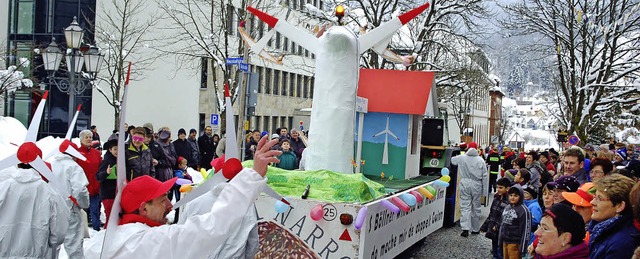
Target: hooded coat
(472,171)
(516,223)
(199,237)
(34,216)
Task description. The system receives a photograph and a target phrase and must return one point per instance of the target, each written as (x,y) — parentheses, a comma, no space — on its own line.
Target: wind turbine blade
(379,133)
(389,28)
(269,191)
(72,126)
(9,161)
(231,145)
(205,187)
(121,181)
(259,46)
(295,34)
(54,180)
(32,132)
(394,135)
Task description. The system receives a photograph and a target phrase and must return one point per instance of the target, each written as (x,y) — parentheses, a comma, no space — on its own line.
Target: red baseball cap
(473,145)
(143,189)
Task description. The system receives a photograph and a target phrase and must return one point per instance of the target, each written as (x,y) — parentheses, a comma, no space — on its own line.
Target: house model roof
(396,91)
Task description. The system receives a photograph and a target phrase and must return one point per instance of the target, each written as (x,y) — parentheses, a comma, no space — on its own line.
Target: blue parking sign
(214,119)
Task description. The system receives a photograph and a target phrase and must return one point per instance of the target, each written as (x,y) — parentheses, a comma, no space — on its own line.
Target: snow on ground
(535,139)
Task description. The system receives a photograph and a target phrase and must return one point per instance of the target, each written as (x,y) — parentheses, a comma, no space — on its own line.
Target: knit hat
(568,183)
(473,145)
(143,189)
(264,133)
(181,131)
(164,134)
(589,147)
(531,191)
(192,131)
(180,159)
(581,197)
(148,125)
(545,154)
(568,220)
(622,153)
(275,136)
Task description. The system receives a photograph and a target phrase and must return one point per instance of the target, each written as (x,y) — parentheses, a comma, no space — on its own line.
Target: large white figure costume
(34,217)
(137,240)
(76,182)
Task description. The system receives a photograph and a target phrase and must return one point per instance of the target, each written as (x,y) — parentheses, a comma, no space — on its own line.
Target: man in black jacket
(205,142)
(183,148)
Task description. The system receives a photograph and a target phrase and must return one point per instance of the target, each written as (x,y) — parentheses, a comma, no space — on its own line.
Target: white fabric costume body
(137,240)
(243,240)
(334,100)
(472,170)
(76,182)
(34,216)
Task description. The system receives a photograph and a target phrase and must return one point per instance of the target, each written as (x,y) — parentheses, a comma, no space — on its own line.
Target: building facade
(32,25)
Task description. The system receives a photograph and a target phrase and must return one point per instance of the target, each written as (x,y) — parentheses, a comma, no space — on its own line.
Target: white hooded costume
(138,240)
(472,170)
(74,179)
(34,216)
(243,240)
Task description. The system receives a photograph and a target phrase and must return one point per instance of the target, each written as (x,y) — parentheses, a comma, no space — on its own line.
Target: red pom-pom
(217,163)
(27,152)
(231,168)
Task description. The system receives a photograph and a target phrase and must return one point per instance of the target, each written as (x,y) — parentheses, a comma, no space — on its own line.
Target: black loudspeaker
(432,132)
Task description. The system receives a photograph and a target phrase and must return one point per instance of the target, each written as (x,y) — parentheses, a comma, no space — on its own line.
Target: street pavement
(447,243)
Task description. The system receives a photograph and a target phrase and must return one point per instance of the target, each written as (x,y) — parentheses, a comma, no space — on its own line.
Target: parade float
(361,194)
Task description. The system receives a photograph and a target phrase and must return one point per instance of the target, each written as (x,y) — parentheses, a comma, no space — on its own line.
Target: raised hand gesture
(264,155)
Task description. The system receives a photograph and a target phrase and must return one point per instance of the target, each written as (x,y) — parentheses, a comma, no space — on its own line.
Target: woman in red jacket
(90,167)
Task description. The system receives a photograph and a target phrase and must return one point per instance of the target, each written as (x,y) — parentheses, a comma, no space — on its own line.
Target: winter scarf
(135,218)
(580,251)
(596,229)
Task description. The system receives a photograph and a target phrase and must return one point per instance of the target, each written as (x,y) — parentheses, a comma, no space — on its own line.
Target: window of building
(305,87)
(311,87)
(290,123)
(260,75)
(232,20)
(285,45)
(204,72)
(276,82)
(25,19)
(267,81)
(274,124)
(292,85)
(278,42)
(298,85)
(285,83)
(201,122)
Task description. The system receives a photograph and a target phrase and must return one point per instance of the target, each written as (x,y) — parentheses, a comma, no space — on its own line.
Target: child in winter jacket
(288,158)
(492,224)
(515,229)
(530,199)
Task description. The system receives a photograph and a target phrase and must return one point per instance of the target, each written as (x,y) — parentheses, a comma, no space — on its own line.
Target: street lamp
(77,55)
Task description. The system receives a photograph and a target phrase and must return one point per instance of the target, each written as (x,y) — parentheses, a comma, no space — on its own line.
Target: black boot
(465,233)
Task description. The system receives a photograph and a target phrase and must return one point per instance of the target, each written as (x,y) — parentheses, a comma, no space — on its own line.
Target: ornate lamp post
(77,55)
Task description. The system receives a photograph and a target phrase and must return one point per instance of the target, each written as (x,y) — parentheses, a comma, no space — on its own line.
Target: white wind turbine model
(386,132)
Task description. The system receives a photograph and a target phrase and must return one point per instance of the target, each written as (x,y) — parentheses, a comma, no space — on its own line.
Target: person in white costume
(64,166)
(472,170)
(34,216)
(243,240)
(143,233)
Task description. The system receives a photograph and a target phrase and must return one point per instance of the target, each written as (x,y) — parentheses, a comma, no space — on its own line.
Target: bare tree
(124,34)
(595,50)
(12,77)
